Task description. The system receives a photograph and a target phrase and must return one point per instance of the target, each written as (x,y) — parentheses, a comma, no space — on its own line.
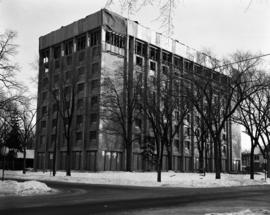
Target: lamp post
(4,152)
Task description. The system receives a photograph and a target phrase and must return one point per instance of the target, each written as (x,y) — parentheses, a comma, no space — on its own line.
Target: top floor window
(45,54)
(115,39)
(154,55)
(57,52)
(68,47)
(177,62)
(95,38)
(140,48)
(166,58)
(81,42)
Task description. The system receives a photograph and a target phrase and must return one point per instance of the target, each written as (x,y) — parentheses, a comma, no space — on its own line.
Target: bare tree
(251,114)
(165,108)
(221,89)
(116,111)
(64,96)
(27,117)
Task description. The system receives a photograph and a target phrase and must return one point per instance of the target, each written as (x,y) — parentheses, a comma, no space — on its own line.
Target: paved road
(106,199)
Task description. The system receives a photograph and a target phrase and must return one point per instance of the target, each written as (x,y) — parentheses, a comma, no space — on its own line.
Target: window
(80,88)
(79,120)
(94,84)
(53,138)
(94,101)
(93,118)
(95,68)
(187,145)
(165,70)
(224,136)
(81,56)
(78,136)
(44,96)
(45,56)
(67,91)
(186,65)
(177,62)
(67,75)
(139,77)
(57,52)
(139,61)
(43,124)
(79,103)
(45,82)
(93,136)
(56,93)
(138,122)
(152,66)
(96,51)
(154,54)
(55,107)
(81,42)
(188,131)
(54,123)
(44,110)
(176,144)
(81,71)
(57,64)
(198,120)
(42,140)
(140,48)
(56,78)
(68,47)
(177,115)
(166,58)
(69,60)
(188,117)
(256,157)
(114,39)
(95,38)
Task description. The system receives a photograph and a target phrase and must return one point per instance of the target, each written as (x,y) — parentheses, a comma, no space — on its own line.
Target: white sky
(223,26)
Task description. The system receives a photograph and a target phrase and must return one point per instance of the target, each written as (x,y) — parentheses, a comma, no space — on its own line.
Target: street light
(4,152)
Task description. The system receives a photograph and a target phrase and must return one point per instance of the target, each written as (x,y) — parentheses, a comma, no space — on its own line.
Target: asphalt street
(72,198)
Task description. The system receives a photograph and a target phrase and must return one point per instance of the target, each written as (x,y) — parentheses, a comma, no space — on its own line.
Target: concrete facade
(89,50)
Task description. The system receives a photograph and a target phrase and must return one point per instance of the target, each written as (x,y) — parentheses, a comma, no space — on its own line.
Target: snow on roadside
(244,212)
(10,187)
(169,179)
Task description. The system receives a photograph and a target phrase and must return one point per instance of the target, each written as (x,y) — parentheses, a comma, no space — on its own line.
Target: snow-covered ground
(245,212)
(169,179)
(10,187)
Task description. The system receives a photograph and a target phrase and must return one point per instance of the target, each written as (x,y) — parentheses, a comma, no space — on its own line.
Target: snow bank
(244,212)
(169,179)
(26,188)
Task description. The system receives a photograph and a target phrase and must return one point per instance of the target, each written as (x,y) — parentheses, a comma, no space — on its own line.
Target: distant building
(95,45)
(259,162)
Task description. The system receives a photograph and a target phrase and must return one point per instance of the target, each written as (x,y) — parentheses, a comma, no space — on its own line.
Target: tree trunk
(217,158)
(68,167)
(54,159)
(268,166)
(252,162)
(170,157)
(24,159)
(201,161)
(129,157)
(3,168)
(158,173)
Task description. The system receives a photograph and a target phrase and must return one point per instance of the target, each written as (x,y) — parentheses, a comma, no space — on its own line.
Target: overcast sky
(223,26)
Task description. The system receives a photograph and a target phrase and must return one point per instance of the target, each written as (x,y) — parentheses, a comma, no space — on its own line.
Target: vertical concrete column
(192,128)
(145,123)
(182,137)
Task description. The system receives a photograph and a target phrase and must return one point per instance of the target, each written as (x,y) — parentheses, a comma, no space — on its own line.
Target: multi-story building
(79,56)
